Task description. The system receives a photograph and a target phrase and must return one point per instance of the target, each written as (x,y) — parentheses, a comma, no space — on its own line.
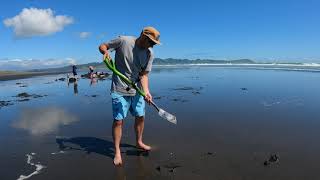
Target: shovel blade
(169,117)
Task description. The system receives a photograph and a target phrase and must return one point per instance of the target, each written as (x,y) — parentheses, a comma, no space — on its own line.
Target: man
(133,58)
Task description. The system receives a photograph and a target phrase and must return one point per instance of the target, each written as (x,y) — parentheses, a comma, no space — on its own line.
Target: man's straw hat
(152,34)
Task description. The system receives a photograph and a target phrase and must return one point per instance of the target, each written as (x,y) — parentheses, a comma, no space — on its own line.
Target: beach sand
(233,124)
(12,75)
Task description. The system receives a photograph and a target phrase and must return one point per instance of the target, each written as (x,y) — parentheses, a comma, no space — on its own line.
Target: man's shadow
(96,145)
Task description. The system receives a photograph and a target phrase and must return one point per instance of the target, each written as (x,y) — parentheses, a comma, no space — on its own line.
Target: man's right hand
(106,55)
(103,48)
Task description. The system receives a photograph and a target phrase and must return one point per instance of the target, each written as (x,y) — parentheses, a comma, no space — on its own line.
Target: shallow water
(230,121)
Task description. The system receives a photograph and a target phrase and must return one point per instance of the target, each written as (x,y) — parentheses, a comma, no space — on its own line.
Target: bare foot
(143,146)
(117,160)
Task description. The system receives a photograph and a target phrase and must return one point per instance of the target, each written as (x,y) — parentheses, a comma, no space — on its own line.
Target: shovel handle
(154,104)
(110,64)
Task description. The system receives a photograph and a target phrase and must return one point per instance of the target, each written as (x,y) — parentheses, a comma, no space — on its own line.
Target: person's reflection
(75,88)
(120,173)
(142,167)
(93,81)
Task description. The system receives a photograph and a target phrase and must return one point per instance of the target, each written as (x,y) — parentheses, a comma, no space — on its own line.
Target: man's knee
(117,122)
(139,118)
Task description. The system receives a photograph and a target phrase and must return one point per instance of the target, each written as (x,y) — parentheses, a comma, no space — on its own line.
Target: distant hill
(157,61)
(169,61)
(68,68)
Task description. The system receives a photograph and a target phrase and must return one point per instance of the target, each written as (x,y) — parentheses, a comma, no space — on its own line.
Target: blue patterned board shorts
(122,104)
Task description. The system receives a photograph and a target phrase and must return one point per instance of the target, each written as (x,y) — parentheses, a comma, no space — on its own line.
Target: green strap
(110,64)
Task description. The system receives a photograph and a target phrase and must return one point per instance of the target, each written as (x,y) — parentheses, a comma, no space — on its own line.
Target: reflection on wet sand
(142,170)
(249,129)
(75,86)
(120,173)
(41,121)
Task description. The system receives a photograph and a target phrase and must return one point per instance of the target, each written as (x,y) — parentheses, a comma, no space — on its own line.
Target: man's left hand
(148,97)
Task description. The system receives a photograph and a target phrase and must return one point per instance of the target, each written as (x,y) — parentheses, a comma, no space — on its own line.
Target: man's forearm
(145,83)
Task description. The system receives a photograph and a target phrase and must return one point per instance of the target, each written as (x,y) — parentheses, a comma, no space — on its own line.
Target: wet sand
(232,124)
(13,75)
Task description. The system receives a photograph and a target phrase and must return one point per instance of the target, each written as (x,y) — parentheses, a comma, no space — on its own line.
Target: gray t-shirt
(130,60)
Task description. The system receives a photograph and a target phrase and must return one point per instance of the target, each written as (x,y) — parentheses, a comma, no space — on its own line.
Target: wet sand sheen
(13,75)
(230,126)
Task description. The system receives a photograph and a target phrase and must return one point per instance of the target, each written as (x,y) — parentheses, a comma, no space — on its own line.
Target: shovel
(162,113)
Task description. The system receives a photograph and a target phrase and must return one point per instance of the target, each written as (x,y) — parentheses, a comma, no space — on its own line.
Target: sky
(48,33)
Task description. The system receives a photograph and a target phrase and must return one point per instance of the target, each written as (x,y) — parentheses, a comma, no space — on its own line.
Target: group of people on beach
(91,74)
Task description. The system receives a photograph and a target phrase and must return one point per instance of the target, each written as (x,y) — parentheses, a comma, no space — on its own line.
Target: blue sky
(270,30)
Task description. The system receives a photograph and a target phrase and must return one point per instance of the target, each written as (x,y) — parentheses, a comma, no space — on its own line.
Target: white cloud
(84,35)
(37,22)
(102,35)
(71,61)
(20,64)
(43,120)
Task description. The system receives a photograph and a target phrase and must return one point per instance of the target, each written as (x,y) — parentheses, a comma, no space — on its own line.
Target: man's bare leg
(139,126)
(116,133)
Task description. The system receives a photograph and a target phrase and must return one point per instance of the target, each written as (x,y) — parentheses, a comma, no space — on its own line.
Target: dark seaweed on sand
(184,89)
(274,158)
(5,103)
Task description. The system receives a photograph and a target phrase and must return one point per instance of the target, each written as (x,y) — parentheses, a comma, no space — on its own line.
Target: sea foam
(38,166)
